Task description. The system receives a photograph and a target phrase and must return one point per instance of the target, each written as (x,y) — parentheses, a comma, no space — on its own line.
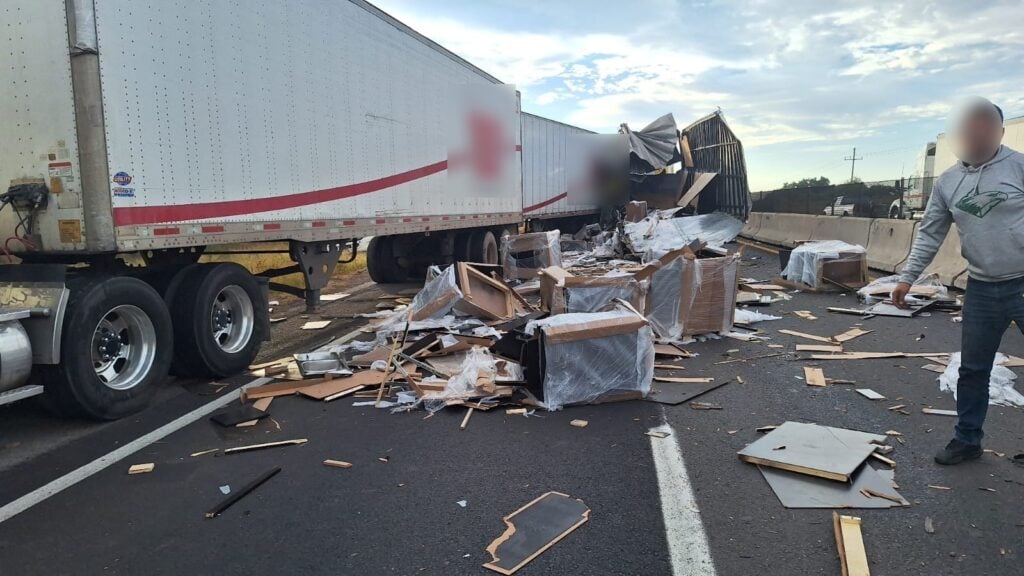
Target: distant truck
(162,129)
(918,188)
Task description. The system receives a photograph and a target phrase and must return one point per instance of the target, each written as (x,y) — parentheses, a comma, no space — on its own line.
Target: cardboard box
(687,295)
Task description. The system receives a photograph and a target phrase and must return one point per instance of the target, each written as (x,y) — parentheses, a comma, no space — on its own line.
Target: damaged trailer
(700,168)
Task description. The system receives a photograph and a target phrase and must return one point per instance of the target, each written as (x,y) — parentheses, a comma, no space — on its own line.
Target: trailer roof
(427,41)
(525,113)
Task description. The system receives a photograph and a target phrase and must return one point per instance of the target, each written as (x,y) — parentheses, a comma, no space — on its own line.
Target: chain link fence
(881,199)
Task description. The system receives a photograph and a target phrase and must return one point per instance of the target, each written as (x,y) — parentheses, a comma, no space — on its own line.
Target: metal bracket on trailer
(316,260)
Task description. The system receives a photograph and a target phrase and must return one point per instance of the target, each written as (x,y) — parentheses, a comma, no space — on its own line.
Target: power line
(853,161)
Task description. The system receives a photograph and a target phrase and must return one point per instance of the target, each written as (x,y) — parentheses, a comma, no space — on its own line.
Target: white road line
(75,476)
(687,543)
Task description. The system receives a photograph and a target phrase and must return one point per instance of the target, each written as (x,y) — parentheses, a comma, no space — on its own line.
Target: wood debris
(805,314)
(704,406)
(252,447)
(532,529)
(657,434)
(850,335)
(241,493)
(853,557)
(869,394)
(938,412)
(141,468)
(465,419)
(819,348)
(890,462)
(579,423)
(337,464)
(683,380)
(807,336)
(814,376)
(316,324)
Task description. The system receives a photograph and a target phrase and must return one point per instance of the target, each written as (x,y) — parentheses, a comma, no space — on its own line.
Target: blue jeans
(988,309)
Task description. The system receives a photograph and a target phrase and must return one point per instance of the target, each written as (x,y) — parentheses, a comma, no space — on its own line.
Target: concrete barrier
(846,228)
(786,229)
(889,243)
(753,225)
(949,264)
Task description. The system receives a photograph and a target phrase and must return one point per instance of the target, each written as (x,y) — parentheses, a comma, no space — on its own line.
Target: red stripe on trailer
(319,224)
(445,217)
(380,221)
(547,202)
(424,219)
(135,215)
(166,231)
(406,220)
(348,222)
(59,165)
(212,229)
(272,226)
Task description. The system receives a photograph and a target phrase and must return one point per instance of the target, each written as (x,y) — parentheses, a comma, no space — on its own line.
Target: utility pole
(852,159)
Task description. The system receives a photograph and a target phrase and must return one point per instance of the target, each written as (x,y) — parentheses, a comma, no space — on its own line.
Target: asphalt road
(402,516)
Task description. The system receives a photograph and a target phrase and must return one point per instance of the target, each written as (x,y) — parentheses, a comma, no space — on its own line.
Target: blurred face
(977,133)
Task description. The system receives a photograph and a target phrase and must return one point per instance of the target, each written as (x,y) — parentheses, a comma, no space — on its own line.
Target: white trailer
(164,128)
(546,154)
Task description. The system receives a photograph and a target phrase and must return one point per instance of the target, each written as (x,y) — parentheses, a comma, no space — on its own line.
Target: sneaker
(956,452)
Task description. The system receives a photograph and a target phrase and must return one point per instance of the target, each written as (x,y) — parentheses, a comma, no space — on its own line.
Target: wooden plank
(276,389)
(807,336)
(327,387)
(937,368)
(871,355)
(854,554)
(670,350)
(937,412)
(837,531)
(141,468)
(818,348)
(337,464)
(251,447)
(869,394)
(805,314)
(822,451)
(534,528)
(579,423)
(814,376)
(850,335)
(687,380)
(465,420)
(764,286)
(316,324)
(889,461)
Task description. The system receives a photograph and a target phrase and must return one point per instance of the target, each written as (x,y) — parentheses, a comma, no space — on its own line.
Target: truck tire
(116,347)
(483,247)
(381,262)
(219,314)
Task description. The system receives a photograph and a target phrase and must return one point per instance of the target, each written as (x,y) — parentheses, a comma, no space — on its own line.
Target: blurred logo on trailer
(482,141)
(122,178)
(122,192)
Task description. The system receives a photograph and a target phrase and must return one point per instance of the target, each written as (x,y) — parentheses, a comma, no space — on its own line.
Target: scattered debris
(833,453)
(818,348)
(869,394)
(938,412)
(516,411)
(683,380)
(141,468)
(657,434)
(252,447)
(937,487)
(814,376)
(316,324)
(579,423)
(807,336)
(534,528)
(241,493)
(238,414)
(850,335)
(465,419)
(262,404)
(805,314)
(203,452)
(337,464)
(850,544)
(929,527)
(704,406)
(1000,385)
(333,297)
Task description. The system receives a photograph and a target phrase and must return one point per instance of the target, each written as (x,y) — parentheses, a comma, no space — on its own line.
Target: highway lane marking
(68,480)
(688,548)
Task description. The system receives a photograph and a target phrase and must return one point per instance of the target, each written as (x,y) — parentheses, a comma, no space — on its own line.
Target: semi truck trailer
(154,131)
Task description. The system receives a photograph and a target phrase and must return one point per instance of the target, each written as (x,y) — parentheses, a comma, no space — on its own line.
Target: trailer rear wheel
(483,248)
(381,262)
(116,347)
(218,312)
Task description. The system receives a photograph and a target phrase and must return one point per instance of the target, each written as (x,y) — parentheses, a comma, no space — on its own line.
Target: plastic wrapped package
(927,287)
(1000,385)
(523,255)
(437,297)
(583,356)
(811,262)
(654,237)
(563,292)
(747,316)
(688,295)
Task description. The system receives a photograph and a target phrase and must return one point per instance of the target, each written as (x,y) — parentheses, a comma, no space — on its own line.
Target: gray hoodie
(987,204)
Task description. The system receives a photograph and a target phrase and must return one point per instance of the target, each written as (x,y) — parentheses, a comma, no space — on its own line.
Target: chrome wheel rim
(231,319)
(123,347)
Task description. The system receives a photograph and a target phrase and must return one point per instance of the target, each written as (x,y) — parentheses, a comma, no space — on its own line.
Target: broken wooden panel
(796,490)
(533,529)
(833,453)
(814,376)
(853,557)
(482,296)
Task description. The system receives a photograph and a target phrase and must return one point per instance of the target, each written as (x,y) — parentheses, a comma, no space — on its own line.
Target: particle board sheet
(674,395)
(850,335)
(796,490)
(823,451)
(818,348)
(814,376)
(534,528)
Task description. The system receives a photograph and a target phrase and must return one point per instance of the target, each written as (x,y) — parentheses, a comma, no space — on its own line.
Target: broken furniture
(524,255)
(825,264)
(467,289)
(688,295)
(833,453)
(562,292)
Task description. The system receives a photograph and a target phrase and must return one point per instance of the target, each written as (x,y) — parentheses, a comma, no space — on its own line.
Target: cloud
(793,78)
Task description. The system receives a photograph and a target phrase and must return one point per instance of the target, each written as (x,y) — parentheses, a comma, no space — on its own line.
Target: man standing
(984,195)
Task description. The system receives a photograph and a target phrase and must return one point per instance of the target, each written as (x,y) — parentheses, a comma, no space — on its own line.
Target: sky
(801,82)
